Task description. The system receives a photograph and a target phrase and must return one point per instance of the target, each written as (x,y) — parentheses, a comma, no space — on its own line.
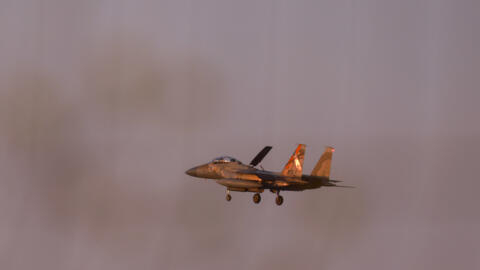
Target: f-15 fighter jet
(236,176)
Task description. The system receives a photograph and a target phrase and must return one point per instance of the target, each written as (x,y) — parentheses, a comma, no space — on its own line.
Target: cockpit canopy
(225,159)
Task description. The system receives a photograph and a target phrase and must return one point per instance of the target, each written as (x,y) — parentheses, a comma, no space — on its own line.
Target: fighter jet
(236,176)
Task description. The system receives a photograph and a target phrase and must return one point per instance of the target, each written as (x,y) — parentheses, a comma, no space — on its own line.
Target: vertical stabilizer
(294,165)
(323,165)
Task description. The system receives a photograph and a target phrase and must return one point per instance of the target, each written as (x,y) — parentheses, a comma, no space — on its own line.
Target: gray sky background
(105,104)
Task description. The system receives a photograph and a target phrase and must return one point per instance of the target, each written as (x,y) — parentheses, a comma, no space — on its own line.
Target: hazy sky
(105,104)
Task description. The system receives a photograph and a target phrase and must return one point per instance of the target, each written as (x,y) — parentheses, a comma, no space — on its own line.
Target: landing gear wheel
(228,197)
(257,198)
(279,200)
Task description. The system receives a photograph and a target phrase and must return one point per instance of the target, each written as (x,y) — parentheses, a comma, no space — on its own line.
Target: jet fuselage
(236,176)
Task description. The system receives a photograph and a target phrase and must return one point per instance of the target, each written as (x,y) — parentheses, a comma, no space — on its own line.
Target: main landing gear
(257,198)
(279,199)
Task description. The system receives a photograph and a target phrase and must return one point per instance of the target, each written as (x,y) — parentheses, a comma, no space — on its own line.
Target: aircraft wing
(267,176)
(259,157)
(278,179)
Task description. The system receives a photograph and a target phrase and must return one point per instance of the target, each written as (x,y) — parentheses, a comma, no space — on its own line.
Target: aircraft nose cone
(191,172)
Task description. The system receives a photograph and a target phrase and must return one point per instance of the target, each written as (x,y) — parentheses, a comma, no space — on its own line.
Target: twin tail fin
(294,166)
(322,168)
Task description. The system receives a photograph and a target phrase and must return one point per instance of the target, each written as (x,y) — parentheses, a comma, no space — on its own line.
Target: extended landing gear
(279,199)
(257,198)
(228,197)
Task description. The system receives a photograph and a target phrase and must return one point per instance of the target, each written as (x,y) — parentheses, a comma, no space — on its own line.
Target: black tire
(257,198)
(228,197)
(279,200)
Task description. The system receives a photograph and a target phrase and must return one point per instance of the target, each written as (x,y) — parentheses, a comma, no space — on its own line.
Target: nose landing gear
(228,197)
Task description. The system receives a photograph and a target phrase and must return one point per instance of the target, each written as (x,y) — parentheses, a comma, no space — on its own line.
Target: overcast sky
(105,104)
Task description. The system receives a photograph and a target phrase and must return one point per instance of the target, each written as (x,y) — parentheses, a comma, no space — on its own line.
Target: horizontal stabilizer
(329,184)
(343,186)
(335,181)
